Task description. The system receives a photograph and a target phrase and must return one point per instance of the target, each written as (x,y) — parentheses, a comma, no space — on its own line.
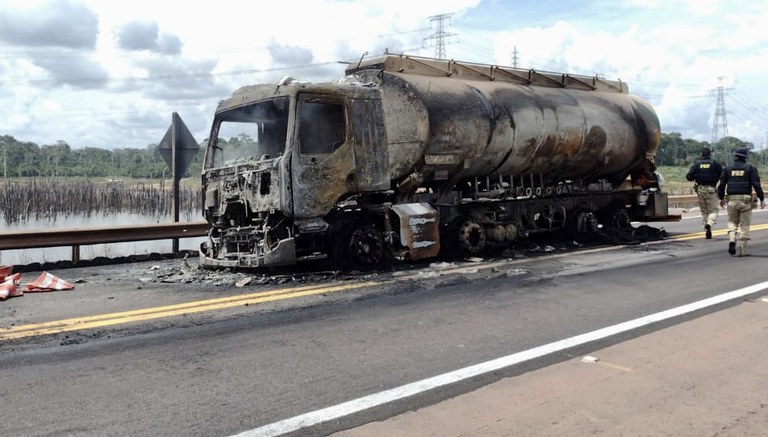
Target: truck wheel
(471,237)
(586,222)
(366,246)
(620,219)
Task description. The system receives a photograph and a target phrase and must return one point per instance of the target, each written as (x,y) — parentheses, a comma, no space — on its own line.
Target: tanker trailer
(412,157)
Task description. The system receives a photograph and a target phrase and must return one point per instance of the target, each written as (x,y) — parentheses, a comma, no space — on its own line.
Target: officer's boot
(732,245)
(743,248)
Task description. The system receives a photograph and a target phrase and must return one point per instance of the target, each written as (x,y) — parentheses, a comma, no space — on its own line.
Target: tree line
(27,159)
(674,150)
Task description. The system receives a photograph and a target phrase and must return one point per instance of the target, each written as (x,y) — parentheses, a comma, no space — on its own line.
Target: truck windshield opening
(253,132)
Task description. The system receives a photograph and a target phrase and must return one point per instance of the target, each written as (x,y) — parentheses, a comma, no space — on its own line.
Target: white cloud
(147,59)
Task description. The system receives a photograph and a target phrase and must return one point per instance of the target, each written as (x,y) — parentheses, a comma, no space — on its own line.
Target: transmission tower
(440,35)
(720,124)
(515,57)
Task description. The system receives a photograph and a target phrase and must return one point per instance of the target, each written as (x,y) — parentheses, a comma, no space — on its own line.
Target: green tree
(722,150)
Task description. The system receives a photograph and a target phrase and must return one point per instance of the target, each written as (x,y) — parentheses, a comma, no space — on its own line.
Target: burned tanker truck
(409,158)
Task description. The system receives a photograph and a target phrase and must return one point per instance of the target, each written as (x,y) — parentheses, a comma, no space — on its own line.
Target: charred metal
(408,158)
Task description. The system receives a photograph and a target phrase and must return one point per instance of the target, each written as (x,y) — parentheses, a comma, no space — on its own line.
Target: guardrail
(682,200)
(76,237)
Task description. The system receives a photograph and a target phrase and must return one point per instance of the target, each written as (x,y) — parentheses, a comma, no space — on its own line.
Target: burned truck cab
(282,157)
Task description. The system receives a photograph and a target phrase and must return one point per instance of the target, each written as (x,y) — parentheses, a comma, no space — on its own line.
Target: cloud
(177,79)
(56,24)
(289,55)
(76,71)
(138,35)
(154,60)
(169,44)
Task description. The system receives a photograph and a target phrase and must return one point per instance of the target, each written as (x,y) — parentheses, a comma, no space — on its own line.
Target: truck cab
(280,158)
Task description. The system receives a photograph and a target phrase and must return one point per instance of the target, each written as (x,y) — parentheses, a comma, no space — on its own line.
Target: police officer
(706,172)
(737,181)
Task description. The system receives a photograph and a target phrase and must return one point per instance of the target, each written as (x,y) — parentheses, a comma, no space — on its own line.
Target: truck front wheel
(366,246)
(361,245)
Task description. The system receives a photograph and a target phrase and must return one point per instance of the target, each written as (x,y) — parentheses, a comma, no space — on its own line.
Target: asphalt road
(219,359)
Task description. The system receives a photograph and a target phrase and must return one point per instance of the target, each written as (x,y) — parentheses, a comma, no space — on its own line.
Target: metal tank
(447,121)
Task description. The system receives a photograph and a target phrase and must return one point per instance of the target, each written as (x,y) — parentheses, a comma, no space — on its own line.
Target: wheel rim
(366,246)
(471,237)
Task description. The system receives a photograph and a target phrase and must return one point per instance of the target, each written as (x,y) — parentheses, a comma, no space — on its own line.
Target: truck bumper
(281,254)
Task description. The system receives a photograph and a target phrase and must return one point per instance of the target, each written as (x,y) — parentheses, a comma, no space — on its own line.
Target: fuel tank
(449,121)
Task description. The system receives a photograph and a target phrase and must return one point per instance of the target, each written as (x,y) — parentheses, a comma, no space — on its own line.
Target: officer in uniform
(737,181)
(706,172)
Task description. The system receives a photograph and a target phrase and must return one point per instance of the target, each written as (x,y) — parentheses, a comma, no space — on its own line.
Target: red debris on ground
(49,282)
(9,283)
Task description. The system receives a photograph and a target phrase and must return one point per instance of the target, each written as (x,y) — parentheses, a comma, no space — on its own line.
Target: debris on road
(9,283)
(49,282)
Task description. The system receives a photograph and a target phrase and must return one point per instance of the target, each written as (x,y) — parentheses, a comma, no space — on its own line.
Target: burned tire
(586,222)
(356,245)
(462,238)
(471,237)
(366,246)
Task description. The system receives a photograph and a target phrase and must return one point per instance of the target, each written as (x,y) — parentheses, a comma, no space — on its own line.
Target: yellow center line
(111,319)
(696,235)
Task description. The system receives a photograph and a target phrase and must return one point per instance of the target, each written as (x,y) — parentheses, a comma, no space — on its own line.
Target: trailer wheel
(471,237)
(620,219)
(586,222)
(366,246)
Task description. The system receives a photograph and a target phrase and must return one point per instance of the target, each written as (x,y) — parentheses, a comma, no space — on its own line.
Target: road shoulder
(706,376)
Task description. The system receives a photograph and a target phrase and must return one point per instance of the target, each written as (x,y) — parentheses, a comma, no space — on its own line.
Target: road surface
(162,348)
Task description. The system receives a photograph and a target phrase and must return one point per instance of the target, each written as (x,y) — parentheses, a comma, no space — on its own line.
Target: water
(53,254)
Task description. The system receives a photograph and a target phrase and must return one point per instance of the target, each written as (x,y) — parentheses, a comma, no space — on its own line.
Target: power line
(752,108)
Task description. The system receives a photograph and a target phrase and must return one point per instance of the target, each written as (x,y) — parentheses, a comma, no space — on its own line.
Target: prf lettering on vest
(703,165)
(737,172)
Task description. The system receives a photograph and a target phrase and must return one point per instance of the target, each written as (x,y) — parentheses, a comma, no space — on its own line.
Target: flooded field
(53,254)
(54,204)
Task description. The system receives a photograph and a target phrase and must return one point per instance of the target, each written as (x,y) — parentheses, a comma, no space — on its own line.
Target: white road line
(404,391)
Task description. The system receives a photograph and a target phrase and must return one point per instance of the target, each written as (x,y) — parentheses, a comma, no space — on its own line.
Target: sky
(109,74)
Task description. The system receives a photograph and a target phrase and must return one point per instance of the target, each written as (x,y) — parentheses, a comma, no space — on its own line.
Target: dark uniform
(706,172)
(736,182)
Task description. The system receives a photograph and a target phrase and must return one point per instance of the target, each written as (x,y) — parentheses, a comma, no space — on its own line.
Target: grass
(675,182)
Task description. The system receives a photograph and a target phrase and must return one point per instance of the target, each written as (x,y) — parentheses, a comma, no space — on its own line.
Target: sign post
(178,149)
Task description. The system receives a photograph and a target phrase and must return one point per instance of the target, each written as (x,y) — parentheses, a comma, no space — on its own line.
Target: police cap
(741,152)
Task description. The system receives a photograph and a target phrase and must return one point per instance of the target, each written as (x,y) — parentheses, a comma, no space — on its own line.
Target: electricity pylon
(440,35)
(720,123)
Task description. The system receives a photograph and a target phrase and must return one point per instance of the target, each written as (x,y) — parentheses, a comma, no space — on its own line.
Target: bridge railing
(76,237)
(683,201)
